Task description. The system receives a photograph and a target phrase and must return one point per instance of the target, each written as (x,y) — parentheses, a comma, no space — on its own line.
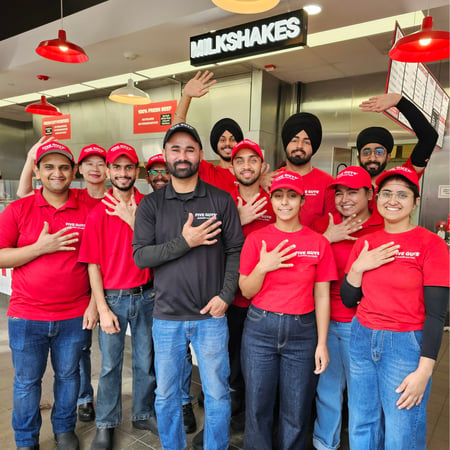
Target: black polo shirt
(185,278)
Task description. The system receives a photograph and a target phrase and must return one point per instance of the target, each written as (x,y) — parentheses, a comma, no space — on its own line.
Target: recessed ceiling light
(312,9)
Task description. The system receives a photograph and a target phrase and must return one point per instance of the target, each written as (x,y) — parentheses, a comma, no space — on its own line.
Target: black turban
(375,135)
(303,122)
(220,127)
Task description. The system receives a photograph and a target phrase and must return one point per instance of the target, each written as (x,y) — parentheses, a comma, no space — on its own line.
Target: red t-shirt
(107,242)
(217,176)
(289,290)
(341,251)
(260,222)
(53,286)
(318,199)
(393,293)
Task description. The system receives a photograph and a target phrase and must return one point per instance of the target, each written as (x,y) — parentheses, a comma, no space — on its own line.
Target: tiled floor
(128,438)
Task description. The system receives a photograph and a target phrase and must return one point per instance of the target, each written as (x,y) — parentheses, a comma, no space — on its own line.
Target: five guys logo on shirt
(204,216)
(407,255)
(307,253)
(79,226)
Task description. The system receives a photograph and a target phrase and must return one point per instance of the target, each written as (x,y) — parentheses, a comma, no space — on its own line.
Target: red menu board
(416,82)
(57,126)
(154,117)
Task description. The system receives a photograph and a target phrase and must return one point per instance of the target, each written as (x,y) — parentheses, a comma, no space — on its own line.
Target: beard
(185,172)
(247,182)
(124,188)
(374,171)
(299,160)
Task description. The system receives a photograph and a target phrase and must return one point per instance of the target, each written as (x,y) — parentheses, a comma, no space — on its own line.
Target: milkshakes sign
(266,35)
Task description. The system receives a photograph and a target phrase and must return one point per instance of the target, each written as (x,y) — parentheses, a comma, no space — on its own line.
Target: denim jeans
(209,339)
(331,386)
(86,392)
(278,352)
(30,342)
(379,361)
(137,311)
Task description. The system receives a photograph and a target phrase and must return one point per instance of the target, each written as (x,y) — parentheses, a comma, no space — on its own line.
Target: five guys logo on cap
(122,149)
(53,147)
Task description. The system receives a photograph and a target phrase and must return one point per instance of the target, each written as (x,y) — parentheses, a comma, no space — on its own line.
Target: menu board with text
(57,126)
(153,118)
(416,82)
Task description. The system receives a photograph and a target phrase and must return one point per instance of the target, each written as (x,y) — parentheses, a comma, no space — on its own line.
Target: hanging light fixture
(425,45)
(61,49)
(43,108)
(246,6)
(130,94)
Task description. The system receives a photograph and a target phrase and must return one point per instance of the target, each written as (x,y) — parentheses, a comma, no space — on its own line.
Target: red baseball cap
(288,180)
(121,149)
(155,159)
(90,150)
(354,177)
(247,143)
(53,147)
(409,174)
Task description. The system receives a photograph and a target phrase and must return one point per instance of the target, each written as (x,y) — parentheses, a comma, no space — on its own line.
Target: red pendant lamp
(61,49)
(423,46)
(43,108)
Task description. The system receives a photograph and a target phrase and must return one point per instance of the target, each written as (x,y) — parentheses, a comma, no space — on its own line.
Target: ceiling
(157,33)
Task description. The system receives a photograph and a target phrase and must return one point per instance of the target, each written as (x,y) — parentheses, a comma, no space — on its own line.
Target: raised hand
(56,242)
(199,85)
(203,234)
(380,102)
(275,259)
(342,231)
(251,210)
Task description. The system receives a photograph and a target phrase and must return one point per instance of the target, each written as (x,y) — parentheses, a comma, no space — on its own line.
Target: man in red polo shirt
(156,172)
(50,292)
(124,296)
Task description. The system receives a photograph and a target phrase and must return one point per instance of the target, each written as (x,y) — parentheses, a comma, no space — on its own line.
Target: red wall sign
(153,118)
(58,126)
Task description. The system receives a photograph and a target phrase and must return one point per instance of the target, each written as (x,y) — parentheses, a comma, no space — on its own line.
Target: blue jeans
(30,342)
(137,311)
(278,352)
(86,392)
(379,361)
(209,338)
(331,386)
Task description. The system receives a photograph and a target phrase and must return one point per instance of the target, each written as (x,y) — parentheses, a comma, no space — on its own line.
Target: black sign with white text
(266,35)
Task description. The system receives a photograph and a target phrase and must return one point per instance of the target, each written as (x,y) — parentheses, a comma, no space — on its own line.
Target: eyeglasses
(387,195)
(378,152)
(157,172)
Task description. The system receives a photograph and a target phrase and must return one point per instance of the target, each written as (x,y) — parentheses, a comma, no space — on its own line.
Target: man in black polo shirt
(190,234)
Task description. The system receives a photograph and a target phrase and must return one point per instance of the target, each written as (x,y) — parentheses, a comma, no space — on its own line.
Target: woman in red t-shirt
(286,270)
(400,276)
(353,193)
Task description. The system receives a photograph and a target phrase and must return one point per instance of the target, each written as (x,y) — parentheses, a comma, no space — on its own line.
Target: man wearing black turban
(301,136)
(375,144)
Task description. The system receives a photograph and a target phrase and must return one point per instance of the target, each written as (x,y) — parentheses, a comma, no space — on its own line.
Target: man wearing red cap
(50,293)
(124,296)
(156,172)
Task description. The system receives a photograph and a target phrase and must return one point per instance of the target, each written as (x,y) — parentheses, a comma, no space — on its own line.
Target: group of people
(294,289)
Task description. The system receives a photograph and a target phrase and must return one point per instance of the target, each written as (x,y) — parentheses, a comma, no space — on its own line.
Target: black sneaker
(190,425)
(86,412)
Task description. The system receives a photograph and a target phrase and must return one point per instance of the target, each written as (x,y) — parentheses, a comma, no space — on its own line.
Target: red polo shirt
(53,286)
(83,195)
(217,176)
(260,222)
(107,242)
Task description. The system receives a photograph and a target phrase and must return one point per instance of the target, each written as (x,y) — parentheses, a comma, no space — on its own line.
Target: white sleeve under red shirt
(267,218)
(341,251)
(289,290)
(393,293)
(107,242)
(217,176)
(53,286)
